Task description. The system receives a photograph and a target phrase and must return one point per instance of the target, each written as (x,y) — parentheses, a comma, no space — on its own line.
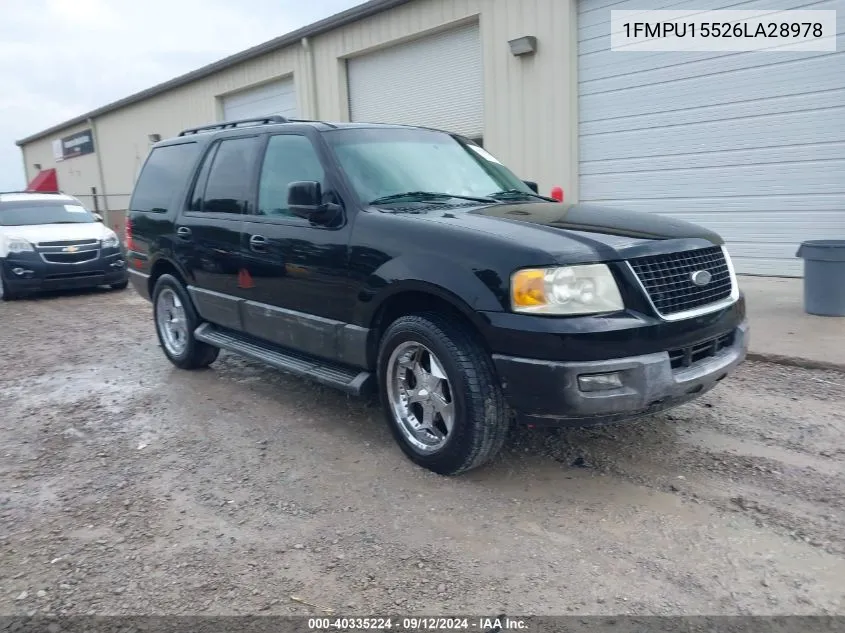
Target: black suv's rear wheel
(176,320)
(443,402)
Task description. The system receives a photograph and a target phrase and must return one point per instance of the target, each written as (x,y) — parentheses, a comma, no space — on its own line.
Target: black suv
(411,261)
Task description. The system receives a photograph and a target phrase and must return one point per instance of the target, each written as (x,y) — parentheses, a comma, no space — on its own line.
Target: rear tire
(442,399)
(175,321)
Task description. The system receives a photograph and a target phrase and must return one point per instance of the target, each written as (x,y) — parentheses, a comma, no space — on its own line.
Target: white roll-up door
(277,97)
(435,81)
(751,145)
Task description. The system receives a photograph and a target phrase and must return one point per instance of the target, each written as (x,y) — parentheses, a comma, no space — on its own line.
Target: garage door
(435,81)
(751,145)
(278,97)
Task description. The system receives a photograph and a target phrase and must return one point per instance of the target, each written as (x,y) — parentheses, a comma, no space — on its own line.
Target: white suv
(51,241)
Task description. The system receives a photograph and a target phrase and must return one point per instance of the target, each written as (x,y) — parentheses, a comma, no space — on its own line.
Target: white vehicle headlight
(111,241)
(584,289)
(19,245)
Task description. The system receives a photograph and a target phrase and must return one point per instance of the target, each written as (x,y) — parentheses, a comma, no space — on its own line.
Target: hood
(36,233)
(582,232)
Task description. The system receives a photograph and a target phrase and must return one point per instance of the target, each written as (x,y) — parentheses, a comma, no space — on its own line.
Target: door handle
(257,242)
(184,232)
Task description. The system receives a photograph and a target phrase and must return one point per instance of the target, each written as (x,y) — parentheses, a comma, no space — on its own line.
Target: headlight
(587,289)
(19,245)
(111,241)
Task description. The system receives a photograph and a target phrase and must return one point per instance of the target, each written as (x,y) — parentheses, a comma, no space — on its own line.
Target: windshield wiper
(428,195)
(67,222)
(518,194)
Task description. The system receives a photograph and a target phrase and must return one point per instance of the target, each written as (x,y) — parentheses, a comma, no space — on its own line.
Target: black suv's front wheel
(439,390)
(176,320)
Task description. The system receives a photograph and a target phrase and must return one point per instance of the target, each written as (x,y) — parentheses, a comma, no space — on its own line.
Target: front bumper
(543,391)
(25,273)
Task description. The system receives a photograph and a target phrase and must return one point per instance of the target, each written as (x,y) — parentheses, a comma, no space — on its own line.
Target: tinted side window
(229,185)
(289,158)
(202,179)
(163,175)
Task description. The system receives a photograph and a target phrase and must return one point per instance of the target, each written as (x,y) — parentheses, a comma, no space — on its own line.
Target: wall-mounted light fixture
(37,166)
(526,45)
(154,138)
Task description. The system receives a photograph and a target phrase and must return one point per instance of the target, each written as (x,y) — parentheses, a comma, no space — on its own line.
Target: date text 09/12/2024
(770,30)
(480,624)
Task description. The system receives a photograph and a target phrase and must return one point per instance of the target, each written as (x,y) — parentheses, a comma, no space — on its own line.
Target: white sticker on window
(485,154)
(73,208)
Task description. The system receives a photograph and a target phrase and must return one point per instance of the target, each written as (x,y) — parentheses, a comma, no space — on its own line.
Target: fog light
(600,382)
(118,264)
(21,271)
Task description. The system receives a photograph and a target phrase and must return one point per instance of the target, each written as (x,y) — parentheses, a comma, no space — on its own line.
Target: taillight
(557,193)
(130,243)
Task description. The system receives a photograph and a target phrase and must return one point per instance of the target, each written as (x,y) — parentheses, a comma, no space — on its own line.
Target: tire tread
(489,415)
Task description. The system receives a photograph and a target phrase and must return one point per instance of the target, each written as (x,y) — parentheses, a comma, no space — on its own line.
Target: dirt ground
(130,487)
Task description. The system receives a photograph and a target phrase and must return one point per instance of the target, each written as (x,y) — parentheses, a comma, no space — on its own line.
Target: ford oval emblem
(701,277)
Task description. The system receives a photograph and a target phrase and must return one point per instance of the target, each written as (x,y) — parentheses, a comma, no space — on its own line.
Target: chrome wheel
(420,396)
(171,322)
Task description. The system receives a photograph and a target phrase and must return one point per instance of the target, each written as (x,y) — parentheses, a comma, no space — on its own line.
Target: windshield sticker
(484,154)
(72,208)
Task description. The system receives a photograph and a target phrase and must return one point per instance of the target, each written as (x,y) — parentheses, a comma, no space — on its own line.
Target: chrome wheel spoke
(172,322)
(420,396)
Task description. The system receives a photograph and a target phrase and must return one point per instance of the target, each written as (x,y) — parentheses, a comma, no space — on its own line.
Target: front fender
(471,291)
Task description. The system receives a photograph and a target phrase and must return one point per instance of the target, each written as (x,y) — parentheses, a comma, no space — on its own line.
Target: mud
(130,487)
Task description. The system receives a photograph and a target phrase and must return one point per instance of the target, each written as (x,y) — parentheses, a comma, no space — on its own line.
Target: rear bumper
(543,391)
(26,273)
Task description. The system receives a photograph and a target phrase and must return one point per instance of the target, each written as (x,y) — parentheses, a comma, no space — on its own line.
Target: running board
(348,379)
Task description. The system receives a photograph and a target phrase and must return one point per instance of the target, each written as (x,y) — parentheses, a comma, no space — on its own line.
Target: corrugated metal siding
(751,145)
(124,133)
(435,81)
(529,103)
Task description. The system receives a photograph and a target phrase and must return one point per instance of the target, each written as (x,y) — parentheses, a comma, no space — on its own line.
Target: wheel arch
(416,297)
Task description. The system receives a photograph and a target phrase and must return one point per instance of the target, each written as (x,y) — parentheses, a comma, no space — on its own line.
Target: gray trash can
(824,276)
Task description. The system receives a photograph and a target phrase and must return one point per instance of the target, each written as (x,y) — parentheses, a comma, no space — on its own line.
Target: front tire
(175,321)
(120,285)
(5,293)
(443,401)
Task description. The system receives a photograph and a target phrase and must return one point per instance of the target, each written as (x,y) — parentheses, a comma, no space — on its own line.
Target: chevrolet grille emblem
(70,249)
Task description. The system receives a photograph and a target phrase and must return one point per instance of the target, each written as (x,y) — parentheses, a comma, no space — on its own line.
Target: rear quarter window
(164,174)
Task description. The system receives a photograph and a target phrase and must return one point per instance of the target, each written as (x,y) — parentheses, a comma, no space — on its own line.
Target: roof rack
(266,120)
(54,193)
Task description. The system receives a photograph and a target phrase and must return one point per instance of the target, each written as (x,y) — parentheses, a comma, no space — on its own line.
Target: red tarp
(45,182)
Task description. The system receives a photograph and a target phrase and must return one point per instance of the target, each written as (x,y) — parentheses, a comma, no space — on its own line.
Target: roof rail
(331,125)
(265,120)
(55,193)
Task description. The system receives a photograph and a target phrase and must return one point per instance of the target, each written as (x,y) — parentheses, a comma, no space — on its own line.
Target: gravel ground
(130,487)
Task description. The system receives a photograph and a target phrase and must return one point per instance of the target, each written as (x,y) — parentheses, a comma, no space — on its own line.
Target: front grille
(689,356)
(70,258)
(69,243)
(668,279)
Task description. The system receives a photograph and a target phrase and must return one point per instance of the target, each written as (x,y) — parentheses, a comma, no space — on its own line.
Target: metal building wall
(529,102)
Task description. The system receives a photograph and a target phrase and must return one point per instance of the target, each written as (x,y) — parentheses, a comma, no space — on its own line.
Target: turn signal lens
(529,288)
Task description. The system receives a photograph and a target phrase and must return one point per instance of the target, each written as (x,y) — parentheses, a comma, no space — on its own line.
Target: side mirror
(97,217)
(305,198)
(532,185)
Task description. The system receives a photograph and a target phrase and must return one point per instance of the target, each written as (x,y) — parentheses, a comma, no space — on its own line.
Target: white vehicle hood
(56,232)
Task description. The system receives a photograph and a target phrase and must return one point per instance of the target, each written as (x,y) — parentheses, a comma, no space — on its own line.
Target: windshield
(30,213)
(383,162)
